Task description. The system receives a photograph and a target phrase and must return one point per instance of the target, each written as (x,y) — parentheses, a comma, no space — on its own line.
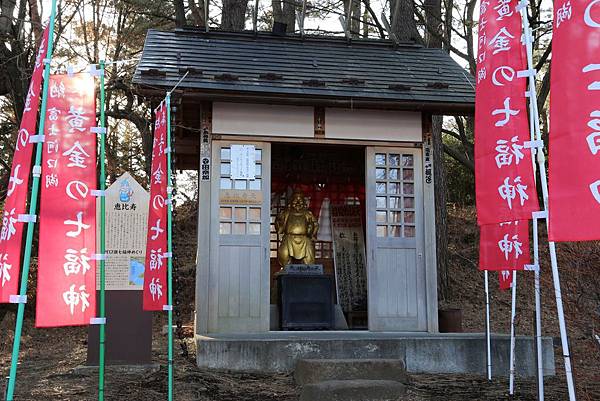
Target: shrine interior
(328,176)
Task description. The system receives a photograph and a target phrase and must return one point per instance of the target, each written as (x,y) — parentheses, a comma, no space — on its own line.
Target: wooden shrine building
(348,123)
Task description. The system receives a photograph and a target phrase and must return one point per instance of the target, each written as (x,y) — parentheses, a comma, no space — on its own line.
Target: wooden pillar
(430,224)
(205,174)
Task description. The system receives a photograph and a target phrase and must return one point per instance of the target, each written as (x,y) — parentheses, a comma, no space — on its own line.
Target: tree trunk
(365,17)
(7,9)
(433,22)
(284,11)
(354,23)
(233,16)
(403,22)
(36,23)
(449,5)
(179,13)
(197,12)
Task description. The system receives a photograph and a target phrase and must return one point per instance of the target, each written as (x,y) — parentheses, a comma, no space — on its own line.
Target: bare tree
(233,16)
(179,13)
(403,23)
(197,10)
(355,16)
(284,11)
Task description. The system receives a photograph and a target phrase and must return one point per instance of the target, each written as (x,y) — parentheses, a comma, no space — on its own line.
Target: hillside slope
(579,266)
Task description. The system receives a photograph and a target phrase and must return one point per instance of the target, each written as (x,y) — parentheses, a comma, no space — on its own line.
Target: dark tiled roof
(323,68)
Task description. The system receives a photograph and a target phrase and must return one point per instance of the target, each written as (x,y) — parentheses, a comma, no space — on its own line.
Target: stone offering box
(306,301)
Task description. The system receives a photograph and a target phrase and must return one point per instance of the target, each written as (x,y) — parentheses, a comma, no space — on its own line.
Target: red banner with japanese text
(504,246)
(505,279)
(155,275)
(15,204)
(574,162)
(66,288)
(504,178)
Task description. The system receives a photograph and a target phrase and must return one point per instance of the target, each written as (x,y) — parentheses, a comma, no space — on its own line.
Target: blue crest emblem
(125,192)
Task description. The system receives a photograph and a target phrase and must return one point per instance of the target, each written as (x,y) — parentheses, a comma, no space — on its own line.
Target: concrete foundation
(420,352)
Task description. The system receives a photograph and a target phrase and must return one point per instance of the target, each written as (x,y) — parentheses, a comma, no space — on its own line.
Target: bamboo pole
(513,312)
(101,353)
(538,313)
(32,210)
(170,247)
(488,339)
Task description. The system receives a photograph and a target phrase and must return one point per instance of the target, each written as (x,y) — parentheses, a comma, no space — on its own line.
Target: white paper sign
(243,162)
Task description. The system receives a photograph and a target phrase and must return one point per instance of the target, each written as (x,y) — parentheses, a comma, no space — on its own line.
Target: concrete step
(354,390)
(319,370)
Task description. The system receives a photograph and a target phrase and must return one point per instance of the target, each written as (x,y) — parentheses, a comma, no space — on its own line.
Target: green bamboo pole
(32,210)
(170,248)
(101,353)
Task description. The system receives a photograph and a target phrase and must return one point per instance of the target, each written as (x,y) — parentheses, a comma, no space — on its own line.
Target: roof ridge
(289,38)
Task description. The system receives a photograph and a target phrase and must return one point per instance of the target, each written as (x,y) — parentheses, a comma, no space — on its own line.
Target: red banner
(66,291)
(504,246)
(155,275)
(505,278)
(574,162)
(504,179)
(11,233)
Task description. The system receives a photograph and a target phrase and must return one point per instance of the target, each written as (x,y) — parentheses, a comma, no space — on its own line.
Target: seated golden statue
(299,228)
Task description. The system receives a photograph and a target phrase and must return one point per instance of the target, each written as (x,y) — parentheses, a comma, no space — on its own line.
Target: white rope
(178,82)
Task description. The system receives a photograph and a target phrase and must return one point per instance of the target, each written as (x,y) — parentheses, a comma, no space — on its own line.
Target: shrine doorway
(376,195)
(332,178)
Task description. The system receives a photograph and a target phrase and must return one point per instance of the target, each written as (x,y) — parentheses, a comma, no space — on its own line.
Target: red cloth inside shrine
(319,172)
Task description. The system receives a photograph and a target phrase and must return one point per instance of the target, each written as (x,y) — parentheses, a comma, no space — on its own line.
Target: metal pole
(170,247)
(541,158)
(488,339)
(101,353)
(32,209)
(536,264)
(513,313)
(538,313)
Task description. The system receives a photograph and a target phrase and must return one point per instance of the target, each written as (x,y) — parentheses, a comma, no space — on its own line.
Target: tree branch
(544,57)
(460,157)
(375,19)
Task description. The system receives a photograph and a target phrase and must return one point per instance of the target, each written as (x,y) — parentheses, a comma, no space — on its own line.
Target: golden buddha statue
(299,228)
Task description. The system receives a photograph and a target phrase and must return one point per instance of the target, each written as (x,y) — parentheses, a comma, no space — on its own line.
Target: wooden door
(239,257)
(396,271)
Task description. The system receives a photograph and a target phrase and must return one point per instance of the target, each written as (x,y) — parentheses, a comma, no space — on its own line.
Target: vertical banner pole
(32,210)
(538,313)
(488,339)
(101,353)
(170,247)
(561,319)
(536,262)
(541,158)
(513,312)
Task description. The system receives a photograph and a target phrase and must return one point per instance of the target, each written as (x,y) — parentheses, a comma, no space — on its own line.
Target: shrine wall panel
(263,120)
(239,282)
(379,125)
